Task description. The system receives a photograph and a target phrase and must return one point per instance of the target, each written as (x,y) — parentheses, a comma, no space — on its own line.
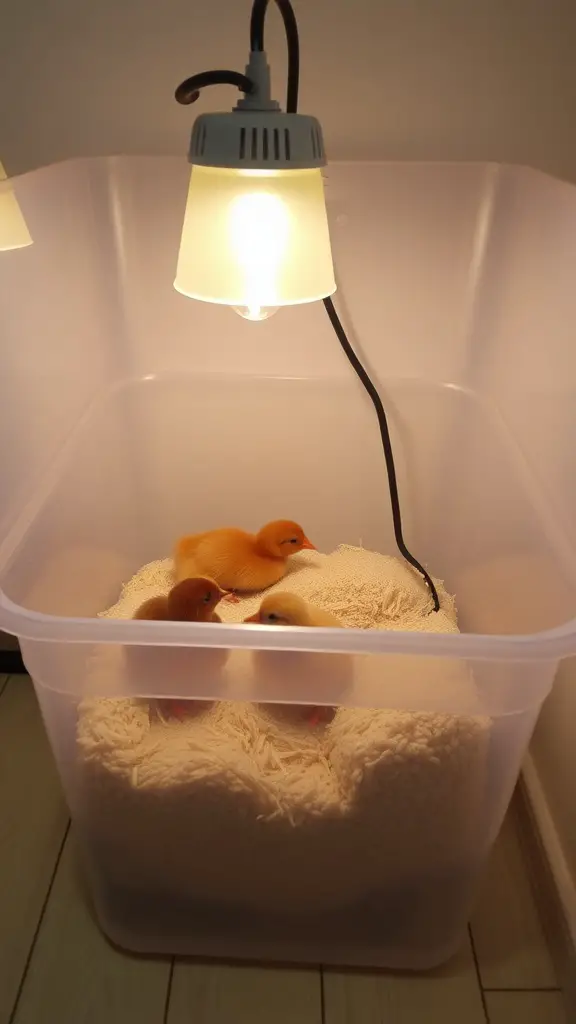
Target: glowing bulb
(256,312)
(259,231)
(255,240)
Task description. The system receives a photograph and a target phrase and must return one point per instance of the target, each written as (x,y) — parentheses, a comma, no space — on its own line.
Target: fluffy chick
(279,668)
(284,609)
(238,560)
(192,600)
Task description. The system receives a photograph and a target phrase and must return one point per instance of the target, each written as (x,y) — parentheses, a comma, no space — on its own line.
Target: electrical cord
(189,91)
(386,444)
(257,18)
(259,9)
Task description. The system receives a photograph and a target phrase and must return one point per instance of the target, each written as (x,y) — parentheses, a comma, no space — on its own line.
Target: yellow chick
(237,560)
(284,609)
(295,668)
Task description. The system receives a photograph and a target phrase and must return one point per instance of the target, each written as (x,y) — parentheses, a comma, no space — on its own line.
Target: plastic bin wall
(135,414)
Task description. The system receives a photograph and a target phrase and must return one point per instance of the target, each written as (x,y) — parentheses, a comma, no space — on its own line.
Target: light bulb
(256,312)
(255,240)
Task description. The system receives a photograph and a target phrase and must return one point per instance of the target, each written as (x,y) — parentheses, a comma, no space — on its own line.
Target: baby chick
(279,668)
(192,600)
(238,560)
(284,609)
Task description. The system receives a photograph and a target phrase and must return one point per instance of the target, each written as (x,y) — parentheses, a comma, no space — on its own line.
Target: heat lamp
(255,234)
(14,232)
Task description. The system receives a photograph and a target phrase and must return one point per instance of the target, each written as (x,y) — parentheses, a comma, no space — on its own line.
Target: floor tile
(526,1008)
(76,977)
(509,938)
(33,822)
(450,995)
(222,994)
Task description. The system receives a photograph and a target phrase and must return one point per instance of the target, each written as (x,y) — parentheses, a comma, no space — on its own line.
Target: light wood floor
(56,968)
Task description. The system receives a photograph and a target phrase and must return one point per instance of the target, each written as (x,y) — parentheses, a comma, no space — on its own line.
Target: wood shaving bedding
(241,805)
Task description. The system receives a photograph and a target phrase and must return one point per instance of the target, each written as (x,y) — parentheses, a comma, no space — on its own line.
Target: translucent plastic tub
(135,414)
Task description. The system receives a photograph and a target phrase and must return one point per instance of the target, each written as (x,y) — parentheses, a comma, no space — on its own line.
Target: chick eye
(207,598)
(272,617)
(293,540)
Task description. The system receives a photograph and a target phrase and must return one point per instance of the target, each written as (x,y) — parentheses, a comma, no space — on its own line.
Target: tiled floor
(56,968)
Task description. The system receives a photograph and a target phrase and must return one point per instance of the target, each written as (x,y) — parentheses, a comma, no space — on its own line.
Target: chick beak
(222,593)
(307,545)
(253,618)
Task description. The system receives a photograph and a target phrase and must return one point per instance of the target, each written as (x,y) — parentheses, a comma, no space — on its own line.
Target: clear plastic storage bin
(131,414)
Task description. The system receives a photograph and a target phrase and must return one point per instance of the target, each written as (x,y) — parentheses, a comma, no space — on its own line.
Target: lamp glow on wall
(14,232)
(255,234)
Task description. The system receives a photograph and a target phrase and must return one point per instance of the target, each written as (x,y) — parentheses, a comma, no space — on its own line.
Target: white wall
(421,79)
(464,79)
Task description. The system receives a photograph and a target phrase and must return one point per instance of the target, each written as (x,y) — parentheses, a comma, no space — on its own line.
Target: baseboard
(552,884)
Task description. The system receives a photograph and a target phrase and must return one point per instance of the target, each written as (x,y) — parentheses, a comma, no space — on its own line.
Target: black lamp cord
(386,444)
(259,8)
(188,92)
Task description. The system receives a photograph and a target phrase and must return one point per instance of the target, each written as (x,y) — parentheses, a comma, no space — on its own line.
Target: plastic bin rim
(549,645)
(111,159)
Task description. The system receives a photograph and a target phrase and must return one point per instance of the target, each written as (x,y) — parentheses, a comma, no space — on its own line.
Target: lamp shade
(14,232)
(255,238)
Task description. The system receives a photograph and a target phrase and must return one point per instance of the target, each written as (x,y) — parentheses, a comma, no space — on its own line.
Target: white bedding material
(243,805)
